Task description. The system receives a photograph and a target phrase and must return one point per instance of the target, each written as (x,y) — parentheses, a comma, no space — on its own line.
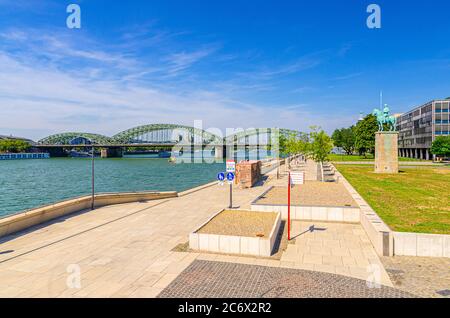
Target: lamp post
(289,206)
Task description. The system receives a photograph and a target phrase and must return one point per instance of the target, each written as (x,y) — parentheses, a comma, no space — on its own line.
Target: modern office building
(419,127)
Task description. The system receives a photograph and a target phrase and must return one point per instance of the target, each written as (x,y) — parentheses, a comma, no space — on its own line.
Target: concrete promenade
(121,250)
(126,250)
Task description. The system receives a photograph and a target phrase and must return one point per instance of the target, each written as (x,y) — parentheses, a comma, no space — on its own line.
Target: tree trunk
(321,170)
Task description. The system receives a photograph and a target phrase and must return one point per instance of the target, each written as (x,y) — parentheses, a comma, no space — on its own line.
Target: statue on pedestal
(383,117)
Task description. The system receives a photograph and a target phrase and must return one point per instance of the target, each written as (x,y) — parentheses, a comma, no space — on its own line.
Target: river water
(26,184)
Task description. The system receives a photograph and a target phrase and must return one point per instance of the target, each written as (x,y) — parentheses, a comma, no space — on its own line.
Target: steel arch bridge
(169,134)
(261,136)
(165,133)
(68,138)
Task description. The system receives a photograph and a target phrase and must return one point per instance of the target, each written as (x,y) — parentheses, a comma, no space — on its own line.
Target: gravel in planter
(241,223)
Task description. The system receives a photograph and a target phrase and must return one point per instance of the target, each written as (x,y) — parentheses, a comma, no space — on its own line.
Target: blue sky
(230,63)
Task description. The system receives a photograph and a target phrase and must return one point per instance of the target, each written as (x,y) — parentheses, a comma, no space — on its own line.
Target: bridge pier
(54,152)
(218,152)
(111,152)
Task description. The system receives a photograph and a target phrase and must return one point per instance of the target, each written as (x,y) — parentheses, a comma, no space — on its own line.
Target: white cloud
(42,92)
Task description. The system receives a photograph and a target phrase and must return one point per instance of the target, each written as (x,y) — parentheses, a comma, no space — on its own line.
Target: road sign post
(231,196)
(231,170)
(230,178)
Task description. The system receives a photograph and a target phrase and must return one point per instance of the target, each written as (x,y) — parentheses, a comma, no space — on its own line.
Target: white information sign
(297,178)
(231,166)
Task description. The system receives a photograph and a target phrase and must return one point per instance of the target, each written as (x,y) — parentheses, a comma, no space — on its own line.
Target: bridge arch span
(260,136)
(76,138)
(165,133)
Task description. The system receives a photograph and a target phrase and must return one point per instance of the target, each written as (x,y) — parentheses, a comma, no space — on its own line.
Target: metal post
(231,196)
(289,206)
(93,178)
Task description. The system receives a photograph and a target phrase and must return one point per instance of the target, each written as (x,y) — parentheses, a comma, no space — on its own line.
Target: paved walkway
(423,276)
(122,250)
(203,279)
(336,248)
(310,168)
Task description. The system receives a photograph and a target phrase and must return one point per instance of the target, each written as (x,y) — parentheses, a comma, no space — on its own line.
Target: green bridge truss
(66,138)
(274,133)
(128,137)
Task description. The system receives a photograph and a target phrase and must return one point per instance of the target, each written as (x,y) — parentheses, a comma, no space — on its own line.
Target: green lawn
(415,200)
(341,158)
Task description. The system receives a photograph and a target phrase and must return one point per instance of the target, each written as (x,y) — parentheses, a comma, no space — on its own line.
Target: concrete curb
(419,244)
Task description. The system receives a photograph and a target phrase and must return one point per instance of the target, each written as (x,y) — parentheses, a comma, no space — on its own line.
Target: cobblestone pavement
(206,279)
(423,276)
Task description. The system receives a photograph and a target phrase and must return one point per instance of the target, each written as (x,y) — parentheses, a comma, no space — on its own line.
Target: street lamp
(93,178)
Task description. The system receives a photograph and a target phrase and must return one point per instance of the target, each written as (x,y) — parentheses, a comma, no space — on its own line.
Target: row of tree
(441,147)
(316,145)
(359,138)
(14,146)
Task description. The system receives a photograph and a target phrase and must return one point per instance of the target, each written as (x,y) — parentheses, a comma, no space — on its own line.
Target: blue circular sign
(230,176)
(221,176)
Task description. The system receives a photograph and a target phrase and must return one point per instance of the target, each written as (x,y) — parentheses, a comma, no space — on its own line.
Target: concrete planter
(313,213)
(230,244)
(310,213)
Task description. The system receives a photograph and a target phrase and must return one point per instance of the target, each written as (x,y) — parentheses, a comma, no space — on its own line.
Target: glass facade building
(419,127)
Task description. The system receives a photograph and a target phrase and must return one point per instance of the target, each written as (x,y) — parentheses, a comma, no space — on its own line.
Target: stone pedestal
(386,152)
(248,173)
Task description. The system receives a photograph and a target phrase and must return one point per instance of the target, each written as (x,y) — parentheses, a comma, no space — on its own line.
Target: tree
(337,138)
(345,138)
(320,146)
(282,145)
(348,139)
(365,135)
(296,143)
(14,145)
(441,146)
